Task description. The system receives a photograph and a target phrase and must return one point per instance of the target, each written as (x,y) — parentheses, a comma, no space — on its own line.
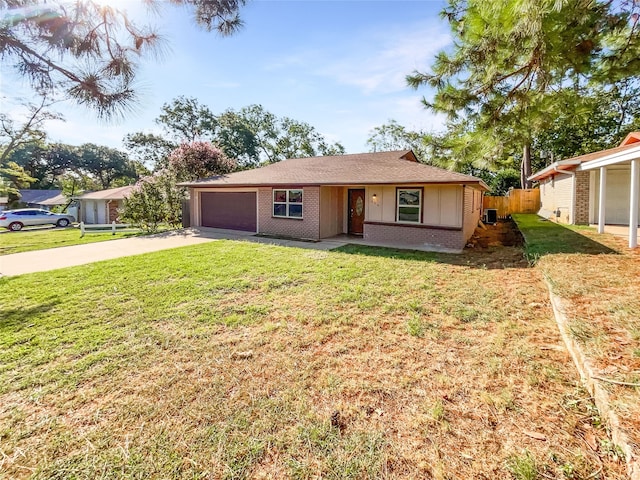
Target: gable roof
(42,197)
(633,137)
(630,142)
(118,193)
(397,167)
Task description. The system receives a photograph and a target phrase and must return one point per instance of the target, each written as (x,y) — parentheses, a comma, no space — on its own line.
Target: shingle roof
(572,163)
(42,197)
(118,193)
(398,167)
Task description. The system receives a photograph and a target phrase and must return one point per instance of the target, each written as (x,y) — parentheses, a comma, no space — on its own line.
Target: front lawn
(237,360)
(25,241)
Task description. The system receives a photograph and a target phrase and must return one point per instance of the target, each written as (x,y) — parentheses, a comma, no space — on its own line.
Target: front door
(356,211)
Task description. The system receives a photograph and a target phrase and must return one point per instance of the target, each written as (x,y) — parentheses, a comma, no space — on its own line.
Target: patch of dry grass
(602,294)
(238,360)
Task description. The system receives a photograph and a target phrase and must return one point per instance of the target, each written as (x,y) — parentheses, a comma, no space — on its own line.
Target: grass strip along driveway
(602,296)
(242,360)
(27,241)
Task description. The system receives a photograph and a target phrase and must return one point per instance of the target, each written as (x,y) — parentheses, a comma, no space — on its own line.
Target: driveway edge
(599,394)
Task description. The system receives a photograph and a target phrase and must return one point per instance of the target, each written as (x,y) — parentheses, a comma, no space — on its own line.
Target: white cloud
(373,61)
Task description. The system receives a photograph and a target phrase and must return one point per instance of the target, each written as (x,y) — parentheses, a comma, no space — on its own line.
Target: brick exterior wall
(581,208)
(414,236)
(307,228)
(113,206)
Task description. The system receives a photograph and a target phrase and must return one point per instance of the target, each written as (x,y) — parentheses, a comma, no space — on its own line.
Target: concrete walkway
(61,257)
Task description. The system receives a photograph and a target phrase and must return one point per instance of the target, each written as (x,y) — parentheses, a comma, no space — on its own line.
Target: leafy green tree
(393,136)
(46,162)
(88,51)
(147,206)
(13,178)
(235,136)
(250,136)
(158,199)
(516,63)
(186,120)
(149,149)
(606,117)
(15,135)
(110,167)
(281,138)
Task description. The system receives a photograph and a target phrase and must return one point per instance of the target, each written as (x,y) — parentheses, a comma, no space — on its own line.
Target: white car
(14,220)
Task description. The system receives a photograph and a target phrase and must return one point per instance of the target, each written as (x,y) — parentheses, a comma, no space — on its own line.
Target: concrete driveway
(54,258)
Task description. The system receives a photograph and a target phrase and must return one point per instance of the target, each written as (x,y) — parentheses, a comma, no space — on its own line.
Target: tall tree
(281,138)
(250,136)
(185,119)
(110,167)
(13,134)
(393,136)
(515,64)
(150,149)
(88,51)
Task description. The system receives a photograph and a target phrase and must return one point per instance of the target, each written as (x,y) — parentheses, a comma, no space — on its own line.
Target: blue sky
(337,65)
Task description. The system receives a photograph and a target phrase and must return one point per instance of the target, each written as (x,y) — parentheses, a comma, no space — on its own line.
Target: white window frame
(287,202)
(398,206)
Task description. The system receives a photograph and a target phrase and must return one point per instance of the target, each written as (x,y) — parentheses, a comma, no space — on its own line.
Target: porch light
(375,198)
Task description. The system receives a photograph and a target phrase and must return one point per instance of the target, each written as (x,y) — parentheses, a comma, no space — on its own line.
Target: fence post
(81,229)
(113,227)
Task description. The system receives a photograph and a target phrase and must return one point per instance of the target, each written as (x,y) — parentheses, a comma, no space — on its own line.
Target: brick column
(581,208)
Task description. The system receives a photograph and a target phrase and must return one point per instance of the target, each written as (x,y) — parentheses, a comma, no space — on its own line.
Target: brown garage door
(232,210)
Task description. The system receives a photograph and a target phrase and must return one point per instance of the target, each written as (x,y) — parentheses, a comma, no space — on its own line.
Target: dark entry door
(356,211)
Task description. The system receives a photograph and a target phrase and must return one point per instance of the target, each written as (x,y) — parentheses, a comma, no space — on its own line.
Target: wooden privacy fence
(516,201)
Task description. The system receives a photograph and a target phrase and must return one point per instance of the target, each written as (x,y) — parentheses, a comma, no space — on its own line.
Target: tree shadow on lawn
(543,237)
(20,317)
(498,257)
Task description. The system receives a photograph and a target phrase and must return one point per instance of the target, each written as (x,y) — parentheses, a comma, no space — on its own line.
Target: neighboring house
(102,206)
(388,198)
(4,201)
(596,188)
(46,199)
(42,198)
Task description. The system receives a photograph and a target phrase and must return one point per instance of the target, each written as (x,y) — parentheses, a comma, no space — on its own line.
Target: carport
(621,197)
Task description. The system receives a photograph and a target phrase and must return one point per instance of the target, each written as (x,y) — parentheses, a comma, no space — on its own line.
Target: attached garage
(229,210)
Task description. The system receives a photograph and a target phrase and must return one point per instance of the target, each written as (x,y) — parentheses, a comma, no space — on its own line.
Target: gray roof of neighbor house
(117,193)
(382,168)
(42,197)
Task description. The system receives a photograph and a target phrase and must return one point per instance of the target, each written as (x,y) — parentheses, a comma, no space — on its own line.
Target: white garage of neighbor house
(600,188)
(102,206)
(386,198)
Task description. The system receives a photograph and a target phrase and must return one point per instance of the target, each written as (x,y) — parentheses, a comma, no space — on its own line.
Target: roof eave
(612,159)
(478,182)
(555,167)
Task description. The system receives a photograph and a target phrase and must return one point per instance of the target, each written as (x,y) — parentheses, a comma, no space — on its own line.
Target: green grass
(241,360)
(25,241)
(543,237)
